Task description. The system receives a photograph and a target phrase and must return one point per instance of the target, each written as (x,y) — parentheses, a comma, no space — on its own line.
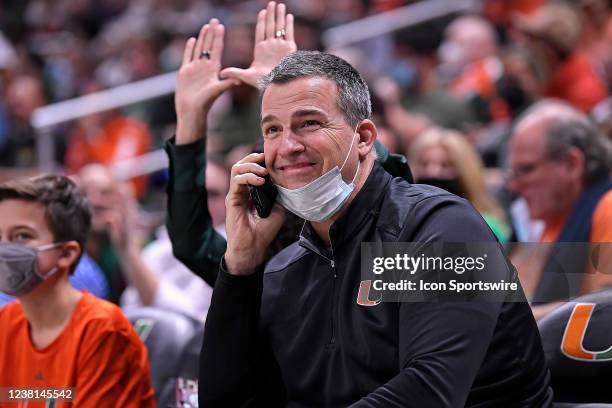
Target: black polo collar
(363,206)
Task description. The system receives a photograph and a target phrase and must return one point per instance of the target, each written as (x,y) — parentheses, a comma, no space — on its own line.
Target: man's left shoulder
(413,193)
(417,210)
(403,199)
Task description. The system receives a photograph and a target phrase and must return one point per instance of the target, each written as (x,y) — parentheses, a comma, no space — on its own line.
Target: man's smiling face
(305,134)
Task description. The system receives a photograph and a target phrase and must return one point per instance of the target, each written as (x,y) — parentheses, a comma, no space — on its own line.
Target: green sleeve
(194,240)
(498,228)
(394,164)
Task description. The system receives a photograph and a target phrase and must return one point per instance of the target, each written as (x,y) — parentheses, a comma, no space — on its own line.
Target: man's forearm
(190,130)
(194,241)
(442,346)
(228,360)
(139,274)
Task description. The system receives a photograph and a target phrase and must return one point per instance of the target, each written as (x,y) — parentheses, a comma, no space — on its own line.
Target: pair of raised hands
(201,80)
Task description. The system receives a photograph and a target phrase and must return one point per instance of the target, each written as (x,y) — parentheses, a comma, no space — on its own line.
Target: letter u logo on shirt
(572,344)
(363,297)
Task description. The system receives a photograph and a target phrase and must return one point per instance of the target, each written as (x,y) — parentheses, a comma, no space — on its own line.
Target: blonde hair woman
(446,159)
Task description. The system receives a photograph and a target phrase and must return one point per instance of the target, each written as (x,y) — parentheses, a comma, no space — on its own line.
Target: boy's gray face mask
(19,268)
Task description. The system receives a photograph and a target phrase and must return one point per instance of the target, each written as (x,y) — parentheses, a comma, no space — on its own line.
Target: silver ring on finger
(280,33)
(205,54)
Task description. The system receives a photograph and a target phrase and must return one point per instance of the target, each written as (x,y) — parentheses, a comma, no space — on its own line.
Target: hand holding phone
(248,234)
(263,197)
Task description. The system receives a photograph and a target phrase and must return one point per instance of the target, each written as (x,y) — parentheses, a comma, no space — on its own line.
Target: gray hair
(353,94)
(567,127)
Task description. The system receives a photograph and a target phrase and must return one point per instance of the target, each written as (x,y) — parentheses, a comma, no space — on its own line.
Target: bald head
(549,111)
(102,190)
(553,128)
(23,95)
(475,35)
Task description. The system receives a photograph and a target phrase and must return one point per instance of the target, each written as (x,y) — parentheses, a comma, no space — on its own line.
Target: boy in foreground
(56,337)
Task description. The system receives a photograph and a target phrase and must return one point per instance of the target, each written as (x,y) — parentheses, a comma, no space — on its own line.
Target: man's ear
(576,163)
(367,136)
(70,254)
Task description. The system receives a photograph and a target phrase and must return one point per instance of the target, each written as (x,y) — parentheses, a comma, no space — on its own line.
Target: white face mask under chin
(321,198)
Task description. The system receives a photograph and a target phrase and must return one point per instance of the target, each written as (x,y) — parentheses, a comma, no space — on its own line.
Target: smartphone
(263,197)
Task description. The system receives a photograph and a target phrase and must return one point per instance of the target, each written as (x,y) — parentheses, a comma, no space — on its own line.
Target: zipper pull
(333,264)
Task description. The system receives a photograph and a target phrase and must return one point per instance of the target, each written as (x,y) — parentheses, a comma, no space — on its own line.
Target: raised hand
(274,38)
(248,235)
(120,218)
(388,91)
(198,84)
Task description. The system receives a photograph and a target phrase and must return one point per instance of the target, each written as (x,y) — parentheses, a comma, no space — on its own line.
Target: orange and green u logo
(572,343)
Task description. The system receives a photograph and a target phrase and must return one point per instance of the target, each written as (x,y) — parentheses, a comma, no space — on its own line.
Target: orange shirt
(480,79)
(500,12)
(577,82)
(600,276)
(121,138)
(601,224)
(98,353)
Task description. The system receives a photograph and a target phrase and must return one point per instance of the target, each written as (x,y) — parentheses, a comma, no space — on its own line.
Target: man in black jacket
(298,334)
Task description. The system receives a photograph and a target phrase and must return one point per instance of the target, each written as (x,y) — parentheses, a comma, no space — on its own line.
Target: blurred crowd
(446,93)
(56,50)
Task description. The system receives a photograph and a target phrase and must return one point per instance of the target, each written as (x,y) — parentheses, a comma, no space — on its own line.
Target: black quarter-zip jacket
(294,335)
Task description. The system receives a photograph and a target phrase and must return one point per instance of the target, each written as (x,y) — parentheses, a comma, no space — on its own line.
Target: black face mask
(451,185)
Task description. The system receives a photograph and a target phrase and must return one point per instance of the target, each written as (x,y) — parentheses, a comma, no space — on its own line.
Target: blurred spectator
(239,124)
(68,63)
(562,70)
(602,116)
(23,95)
(7,52)
(107,137)
(179,289)
(445,159)
(469,61)
(597,35)
(114,242)
(560,164)
(61,337)
(179,17)
(4,136)
(413,98)
(500,12)
(387,137)
(517,93)
(136,59)
(217,186)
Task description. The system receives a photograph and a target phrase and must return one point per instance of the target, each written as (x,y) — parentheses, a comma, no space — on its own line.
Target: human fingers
(188,52)
(281,10)
(252,158)
(210,35)
(246,171)
(233,72)
(289,33)
(197,52)
(255,168)
(270,17)
(216,49)
(221,86)
(239,180)
(260,28)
